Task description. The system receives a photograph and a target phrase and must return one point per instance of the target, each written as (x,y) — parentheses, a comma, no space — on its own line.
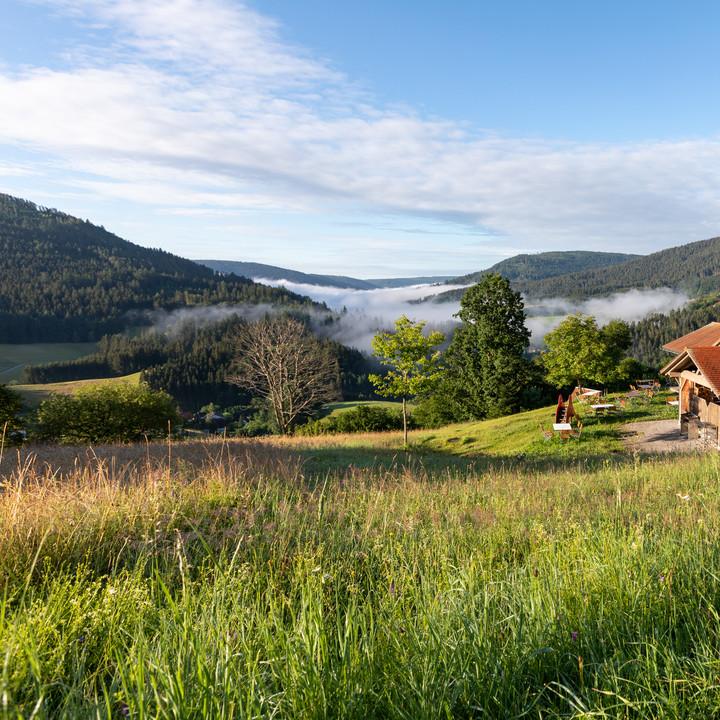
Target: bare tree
(281,360)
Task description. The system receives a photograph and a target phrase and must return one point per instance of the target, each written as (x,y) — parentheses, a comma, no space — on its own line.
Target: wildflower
(574,635)
(391,589)
(661,578)
(124,709)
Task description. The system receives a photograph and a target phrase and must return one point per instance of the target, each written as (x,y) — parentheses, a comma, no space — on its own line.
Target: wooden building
(696,367)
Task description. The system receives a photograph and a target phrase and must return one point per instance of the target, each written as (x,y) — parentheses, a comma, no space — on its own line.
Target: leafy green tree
(579,351)
(120,412)
(413,363)
(488,368)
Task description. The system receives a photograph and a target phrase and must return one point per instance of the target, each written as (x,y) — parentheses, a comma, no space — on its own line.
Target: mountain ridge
(274,272)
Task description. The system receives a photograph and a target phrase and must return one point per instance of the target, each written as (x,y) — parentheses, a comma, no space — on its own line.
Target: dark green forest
(651,333)
(694,268)
(67,280)
(191,363)
(538,266)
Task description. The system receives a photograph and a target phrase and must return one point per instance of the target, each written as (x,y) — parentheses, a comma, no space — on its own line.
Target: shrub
(106,413)
(10,405)
(363,418)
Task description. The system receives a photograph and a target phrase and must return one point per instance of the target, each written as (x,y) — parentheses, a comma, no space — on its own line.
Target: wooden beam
(697,379)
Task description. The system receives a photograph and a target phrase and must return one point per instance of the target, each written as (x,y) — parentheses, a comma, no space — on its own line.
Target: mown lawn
(509,441)
(247,589)
(521,433)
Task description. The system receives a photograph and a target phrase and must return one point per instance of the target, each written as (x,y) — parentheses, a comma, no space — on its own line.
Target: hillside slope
(528,268)
(65,279)
(272,272)
(538,266)
(694,268)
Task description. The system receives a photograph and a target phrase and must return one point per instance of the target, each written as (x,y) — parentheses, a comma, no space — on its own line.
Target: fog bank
(362,313)
(632,305)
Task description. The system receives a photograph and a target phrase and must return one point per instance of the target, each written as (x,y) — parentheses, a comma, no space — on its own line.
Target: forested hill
(528,268)
(271,272)
(538,266)
(63,279)
(694,268)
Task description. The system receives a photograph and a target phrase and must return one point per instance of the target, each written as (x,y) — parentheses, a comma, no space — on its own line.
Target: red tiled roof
(707,336)
(707,361)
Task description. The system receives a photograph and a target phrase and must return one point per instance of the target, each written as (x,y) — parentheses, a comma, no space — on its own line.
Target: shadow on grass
(320,463)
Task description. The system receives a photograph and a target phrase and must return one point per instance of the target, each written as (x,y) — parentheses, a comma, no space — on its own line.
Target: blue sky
(374,138)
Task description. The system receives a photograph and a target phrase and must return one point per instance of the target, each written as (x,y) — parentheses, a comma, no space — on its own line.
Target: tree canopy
(412,362)
(488,370)
(579,351)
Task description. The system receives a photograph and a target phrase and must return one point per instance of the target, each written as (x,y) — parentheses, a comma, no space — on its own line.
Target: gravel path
(657,436)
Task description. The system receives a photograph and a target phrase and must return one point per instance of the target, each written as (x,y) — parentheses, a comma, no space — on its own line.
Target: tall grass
(241,590)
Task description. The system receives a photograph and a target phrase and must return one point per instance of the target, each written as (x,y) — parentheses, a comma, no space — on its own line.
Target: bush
(363,418)
(106,413)
(10,405)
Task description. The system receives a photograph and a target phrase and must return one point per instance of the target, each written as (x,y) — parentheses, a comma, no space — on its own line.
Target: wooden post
(681,393)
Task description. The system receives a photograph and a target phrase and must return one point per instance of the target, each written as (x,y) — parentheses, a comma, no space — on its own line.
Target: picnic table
(565,429)
(603,407)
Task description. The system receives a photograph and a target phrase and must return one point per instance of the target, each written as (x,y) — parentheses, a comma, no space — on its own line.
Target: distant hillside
(521,269)
(694,268)
(65,279)
(408,281)
(526,267)
(272,272)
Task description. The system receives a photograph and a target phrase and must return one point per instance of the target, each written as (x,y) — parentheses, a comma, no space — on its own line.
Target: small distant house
(696,367)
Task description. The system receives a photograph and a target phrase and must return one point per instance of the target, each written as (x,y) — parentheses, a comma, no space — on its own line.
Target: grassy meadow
(13,358)
(34,394)
(263,578)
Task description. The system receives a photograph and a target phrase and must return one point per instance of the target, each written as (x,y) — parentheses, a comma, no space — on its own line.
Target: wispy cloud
(200,104)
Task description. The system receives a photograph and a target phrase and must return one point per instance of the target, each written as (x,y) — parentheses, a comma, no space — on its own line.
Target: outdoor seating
(547,434)
(602,408)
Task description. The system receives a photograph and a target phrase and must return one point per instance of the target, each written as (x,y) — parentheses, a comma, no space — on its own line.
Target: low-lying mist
(362,313)
(632,305)
(365,312)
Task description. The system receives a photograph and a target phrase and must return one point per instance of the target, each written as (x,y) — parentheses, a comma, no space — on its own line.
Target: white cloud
(200,104)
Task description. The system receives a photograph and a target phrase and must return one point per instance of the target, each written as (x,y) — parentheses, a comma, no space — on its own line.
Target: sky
(371,139)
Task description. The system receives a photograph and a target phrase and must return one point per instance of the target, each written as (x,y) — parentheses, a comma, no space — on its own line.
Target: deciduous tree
(412,360)
(579,351)
(280,360)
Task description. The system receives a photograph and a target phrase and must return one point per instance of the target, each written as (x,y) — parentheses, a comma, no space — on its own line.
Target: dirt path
(657,436)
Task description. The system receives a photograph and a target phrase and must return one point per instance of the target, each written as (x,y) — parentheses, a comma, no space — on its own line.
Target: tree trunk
(405,430)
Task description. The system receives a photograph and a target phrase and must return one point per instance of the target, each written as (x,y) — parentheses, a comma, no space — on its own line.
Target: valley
(156,515)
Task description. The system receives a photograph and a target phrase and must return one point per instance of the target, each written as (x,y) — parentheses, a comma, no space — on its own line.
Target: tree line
(193,362)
